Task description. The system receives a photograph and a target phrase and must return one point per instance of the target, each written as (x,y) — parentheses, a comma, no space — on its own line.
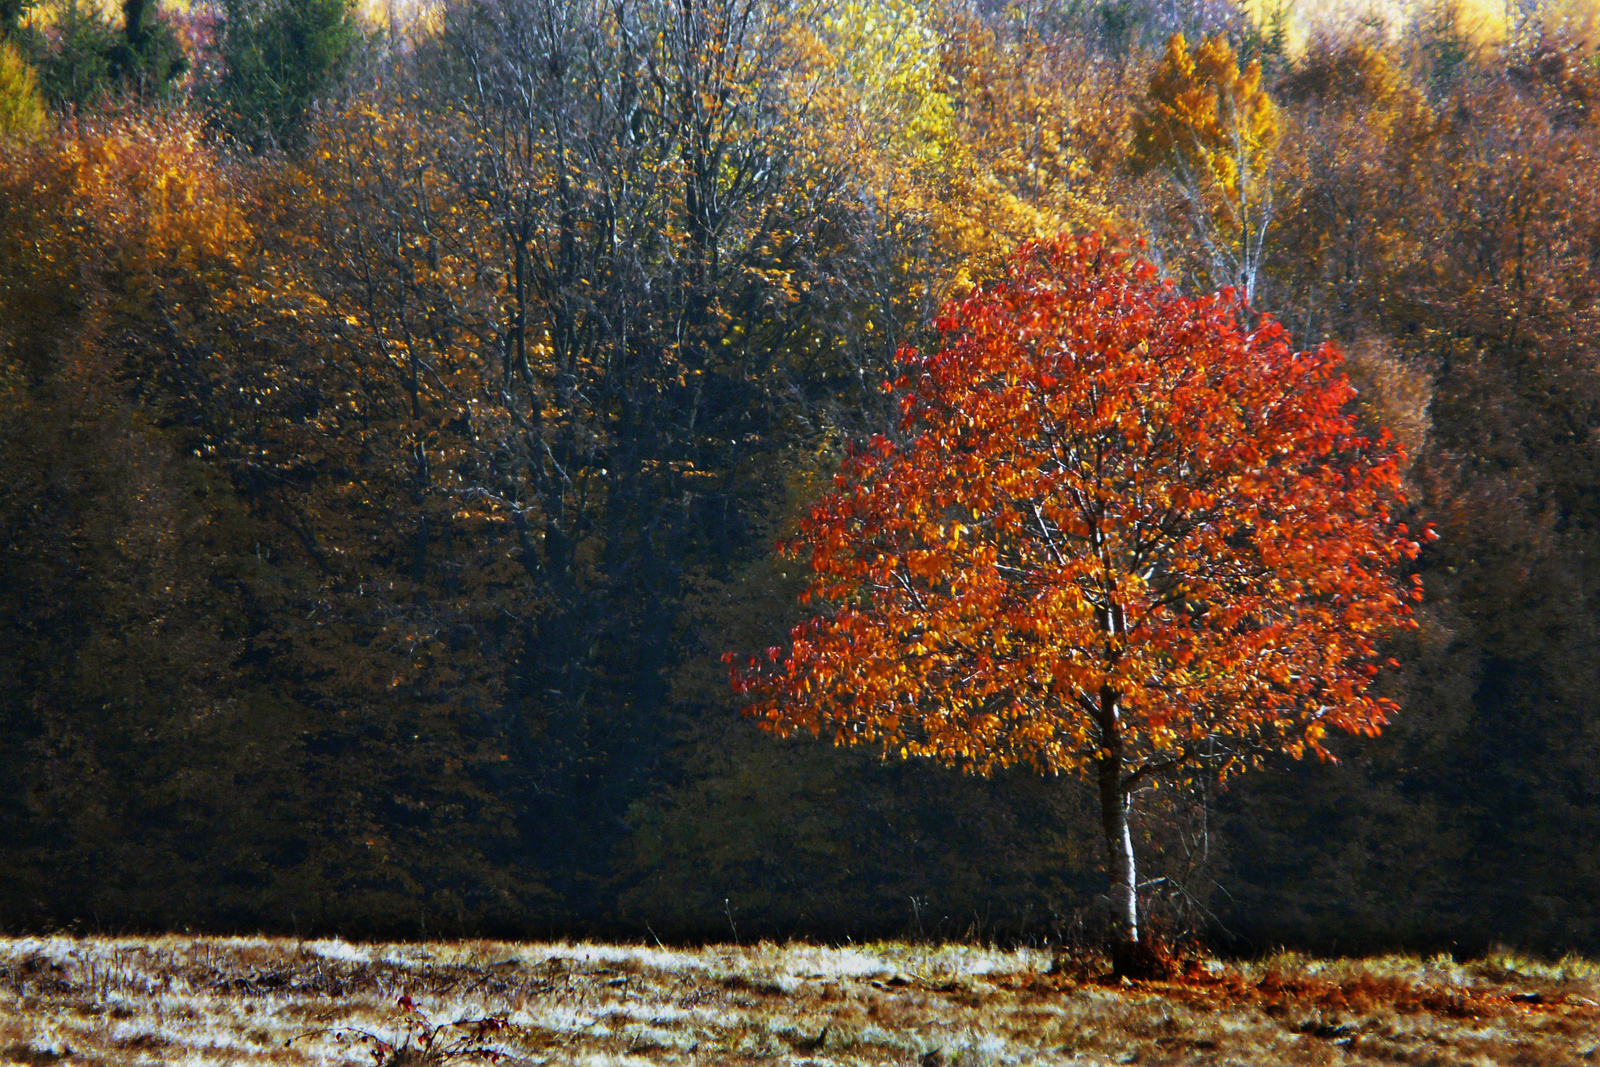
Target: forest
(399,407)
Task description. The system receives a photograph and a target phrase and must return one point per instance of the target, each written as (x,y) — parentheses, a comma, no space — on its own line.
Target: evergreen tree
(74,67)
(148,58)
(86,58)
(279,57)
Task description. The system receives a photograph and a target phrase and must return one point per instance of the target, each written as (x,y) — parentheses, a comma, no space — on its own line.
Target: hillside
(248,1000)
(393,450)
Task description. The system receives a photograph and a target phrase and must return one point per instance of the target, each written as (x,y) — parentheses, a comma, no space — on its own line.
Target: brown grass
(226,1001)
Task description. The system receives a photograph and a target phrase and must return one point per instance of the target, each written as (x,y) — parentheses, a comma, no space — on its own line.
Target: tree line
(398,414)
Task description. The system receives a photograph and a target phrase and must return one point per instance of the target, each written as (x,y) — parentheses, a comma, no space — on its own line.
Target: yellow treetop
(22,114)
(1213,130)
(1205,114)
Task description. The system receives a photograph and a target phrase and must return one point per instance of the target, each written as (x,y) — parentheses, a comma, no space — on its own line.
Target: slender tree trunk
(1130,958)
(1119,848)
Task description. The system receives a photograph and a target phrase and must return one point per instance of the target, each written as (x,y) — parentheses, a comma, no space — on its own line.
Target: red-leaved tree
(1119,532)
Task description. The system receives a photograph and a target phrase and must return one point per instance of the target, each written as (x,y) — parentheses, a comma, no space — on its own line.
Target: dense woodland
(398,410)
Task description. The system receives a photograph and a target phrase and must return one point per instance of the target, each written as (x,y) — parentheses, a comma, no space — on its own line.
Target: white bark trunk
(1120,864)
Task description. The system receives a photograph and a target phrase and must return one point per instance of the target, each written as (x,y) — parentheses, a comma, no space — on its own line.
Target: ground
(185,1000)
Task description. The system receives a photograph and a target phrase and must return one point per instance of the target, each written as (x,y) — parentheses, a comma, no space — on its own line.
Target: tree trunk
(1132,956)
(1119,848)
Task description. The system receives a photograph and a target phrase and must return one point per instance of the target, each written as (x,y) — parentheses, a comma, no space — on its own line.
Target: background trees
(391,457)
(1493,486)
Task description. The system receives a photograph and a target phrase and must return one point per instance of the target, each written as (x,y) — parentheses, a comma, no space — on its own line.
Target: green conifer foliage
(148,58)
(86,58)
(279,56)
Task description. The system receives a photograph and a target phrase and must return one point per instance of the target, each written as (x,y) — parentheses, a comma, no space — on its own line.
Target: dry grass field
(182,1000)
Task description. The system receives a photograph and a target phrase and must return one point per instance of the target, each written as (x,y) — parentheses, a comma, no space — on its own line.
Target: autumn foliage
(1105,487)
